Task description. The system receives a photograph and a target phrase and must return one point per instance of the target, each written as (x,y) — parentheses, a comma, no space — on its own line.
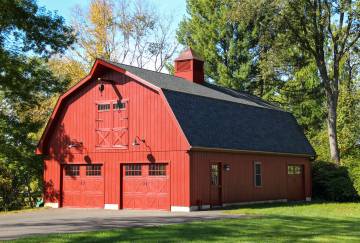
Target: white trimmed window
(257,174)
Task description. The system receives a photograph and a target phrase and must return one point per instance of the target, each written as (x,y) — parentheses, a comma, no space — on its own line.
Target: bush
(333,183)
(354,170)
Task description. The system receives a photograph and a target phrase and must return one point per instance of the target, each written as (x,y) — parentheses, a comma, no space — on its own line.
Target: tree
(265,46)
(223,42)
(327,31)
(303,96)
(29,35)
(127,32)
(324,31)
(349,107)
(65,68)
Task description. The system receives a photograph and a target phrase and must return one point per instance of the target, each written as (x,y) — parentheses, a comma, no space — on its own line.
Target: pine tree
(228,45)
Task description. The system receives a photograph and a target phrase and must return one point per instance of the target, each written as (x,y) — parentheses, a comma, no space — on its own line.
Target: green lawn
(317,222)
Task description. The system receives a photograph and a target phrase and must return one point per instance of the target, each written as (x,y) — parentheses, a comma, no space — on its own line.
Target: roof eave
(225,150)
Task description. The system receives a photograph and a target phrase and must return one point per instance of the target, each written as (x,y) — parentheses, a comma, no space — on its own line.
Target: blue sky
(176,7)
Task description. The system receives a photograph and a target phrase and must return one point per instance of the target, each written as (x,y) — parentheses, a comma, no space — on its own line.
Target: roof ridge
(243,97)
(173,76)
(240,92)
(144,69)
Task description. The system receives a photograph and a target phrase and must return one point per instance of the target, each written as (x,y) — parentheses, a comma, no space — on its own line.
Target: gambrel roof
(173,83)
(214,117)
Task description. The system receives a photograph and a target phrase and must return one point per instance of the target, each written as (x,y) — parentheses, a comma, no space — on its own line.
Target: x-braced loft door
(112,122)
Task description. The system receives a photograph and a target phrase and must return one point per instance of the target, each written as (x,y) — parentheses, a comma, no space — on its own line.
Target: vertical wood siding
(149,119)
(238,183)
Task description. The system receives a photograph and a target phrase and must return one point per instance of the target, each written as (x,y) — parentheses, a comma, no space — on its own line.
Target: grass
(316,222)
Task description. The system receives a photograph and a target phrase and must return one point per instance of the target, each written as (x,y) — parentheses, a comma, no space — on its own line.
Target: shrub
(333,183)
(354,170)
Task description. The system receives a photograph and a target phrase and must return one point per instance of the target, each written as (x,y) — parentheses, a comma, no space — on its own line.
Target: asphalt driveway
(65,220)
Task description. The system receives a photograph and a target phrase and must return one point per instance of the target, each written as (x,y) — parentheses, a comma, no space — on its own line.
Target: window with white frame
(103,107)
(119,105)
(294,169)
(257,174)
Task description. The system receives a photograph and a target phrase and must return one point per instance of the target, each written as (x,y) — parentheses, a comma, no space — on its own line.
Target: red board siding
(238,183)
(149,119)
(52,178)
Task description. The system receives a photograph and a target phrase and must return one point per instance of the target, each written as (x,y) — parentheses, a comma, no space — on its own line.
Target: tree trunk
(331,121)
(332,94)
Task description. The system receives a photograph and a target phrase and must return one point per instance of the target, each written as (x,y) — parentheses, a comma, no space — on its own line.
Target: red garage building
(130,138)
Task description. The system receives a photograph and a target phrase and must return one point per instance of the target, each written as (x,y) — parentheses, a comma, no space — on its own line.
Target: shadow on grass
(276,205)
(267,228)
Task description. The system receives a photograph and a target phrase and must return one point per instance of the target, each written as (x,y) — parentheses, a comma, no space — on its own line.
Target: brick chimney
(190,66)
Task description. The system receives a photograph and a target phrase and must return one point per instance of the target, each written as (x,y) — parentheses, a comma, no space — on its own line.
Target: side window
(93,170)
(257,174)
(294,169)
(72,170)
(133,170)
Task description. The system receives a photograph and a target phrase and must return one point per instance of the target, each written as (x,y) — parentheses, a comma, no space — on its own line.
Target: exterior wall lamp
(75,145)
(227,167)
(137,141)
(101,85)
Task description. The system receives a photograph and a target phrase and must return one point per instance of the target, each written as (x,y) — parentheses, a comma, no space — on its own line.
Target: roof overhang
(99,63)
(224,150)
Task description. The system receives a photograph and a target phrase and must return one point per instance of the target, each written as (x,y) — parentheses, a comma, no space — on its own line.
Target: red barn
(130,138)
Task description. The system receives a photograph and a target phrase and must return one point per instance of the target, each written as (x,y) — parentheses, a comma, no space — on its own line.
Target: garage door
(146,186)
(295,182)
(83,186)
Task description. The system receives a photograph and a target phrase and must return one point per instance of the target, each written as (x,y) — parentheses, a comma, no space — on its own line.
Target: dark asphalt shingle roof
(170,82)
(221,124)
(217,117)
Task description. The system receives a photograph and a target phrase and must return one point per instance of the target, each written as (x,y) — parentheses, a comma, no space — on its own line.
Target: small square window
(119,105)
(294,169)
(93,170)
(103,107)
(157,169)
(133,170)
(72,170)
